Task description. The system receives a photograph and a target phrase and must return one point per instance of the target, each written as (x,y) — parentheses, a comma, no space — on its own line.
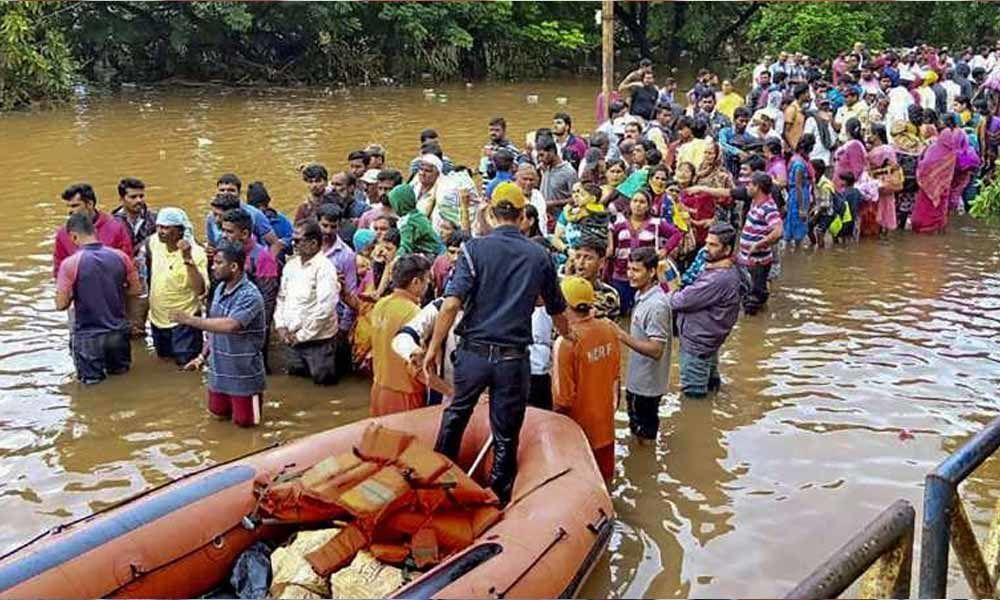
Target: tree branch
(733,28)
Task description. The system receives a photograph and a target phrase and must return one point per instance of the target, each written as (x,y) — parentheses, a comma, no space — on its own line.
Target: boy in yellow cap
(586,372)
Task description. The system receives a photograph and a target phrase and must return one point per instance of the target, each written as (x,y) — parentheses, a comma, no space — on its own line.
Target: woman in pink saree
(852,156)
(942,174)
(883,167)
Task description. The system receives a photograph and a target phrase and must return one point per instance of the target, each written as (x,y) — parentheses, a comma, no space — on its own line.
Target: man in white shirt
(900,101)
(305,317)
(411,340)
(818,124)
(527,179)
(951,89)
(908,68)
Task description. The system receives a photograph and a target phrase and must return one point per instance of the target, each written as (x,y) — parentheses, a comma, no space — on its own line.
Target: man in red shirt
(586,372)
(80,198)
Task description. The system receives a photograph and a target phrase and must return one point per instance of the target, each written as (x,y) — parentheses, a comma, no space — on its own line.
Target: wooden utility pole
(607,49)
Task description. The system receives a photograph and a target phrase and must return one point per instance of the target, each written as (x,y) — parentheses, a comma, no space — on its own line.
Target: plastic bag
(252,573)
(293,575)
(365,577)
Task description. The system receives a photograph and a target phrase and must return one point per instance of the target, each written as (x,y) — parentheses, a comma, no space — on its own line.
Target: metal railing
(882,553)
(947,524)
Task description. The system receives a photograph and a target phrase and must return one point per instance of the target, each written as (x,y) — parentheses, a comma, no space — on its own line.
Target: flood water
(744,493)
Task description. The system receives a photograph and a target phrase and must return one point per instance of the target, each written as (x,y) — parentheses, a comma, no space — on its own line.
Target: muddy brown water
(744,493)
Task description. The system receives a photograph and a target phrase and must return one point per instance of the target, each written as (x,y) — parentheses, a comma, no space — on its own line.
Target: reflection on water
(744,493)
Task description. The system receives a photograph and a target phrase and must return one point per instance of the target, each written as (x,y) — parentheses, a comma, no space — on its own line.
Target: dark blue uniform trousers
(507,379)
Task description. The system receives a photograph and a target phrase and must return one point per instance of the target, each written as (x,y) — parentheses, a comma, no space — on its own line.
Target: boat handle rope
(537,487)
(560,536)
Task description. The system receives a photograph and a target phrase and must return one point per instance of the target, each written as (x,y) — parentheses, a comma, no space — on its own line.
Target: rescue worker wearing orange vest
(497,279)
(586,373)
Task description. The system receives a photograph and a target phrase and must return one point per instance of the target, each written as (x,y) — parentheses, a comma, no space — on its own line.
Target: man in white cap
(439,196)
(369,184)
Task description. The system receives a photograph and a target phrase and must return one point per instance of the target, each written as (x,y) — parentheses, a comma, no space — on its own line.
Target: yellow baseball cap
(509,193)
(577,291)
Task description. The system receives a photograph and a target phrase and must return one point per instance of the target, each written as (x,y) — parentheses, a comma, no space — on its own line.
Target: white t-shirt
(910,73)
(819,151)
(540,350)
(927,97)
(900,101)
(952,90)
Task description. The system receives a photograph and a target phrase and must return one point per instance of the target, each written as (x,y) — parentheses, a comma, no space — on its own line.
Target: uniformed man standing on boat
(497,279)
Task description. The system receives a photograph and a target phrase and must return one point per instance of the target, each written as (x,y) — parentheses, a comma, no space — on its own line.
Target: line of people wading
(662,223)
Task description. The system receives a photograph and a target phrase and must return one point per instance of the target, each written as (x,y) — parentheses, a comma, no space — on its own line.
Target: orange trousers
(385,401)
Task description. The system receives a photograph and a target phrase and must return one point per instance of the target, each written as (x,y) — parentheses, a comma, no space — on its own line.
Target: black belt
(492,351)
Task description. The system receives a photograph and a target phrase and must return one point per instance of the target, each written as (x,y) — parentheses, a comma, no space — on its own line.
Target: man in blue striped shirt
(235,327)
(763,227)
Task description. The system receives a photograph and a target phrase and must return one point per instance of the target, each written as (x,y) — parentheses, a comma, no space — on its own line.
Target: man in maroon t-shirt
(80,198)
(95,280)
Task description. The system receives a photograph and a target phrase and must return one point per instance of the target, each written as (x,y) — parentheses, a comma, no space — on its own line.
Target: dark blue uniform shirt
(499,277)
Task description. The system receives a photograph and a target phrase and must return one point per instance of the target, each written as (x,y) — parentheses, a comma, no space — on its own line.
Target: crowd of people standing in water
(665,221)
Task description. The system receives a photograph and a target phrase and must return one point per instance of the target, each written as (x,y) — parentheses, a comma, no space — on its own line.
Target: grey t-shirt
(651,320)
(557,182)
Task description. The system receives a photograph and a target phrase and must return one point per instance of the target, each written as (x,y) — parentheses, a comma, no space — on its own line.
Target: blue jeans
(507,380)
(699,374)
(97,355)
(180,342)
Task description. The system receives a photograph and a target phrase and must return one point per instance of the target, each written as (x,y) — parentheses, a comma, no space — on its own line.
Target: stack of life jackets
(403,502)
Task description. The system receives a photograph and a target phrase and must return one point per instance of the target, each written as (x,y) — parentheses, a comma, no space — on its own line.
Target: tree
(820,29)
(635,17)
(35,61)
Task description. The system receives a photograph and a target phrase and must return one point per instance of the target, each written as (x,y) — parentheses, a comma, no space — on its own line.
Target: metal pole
(607,50)
(970,557)
(891,530)
(938,496)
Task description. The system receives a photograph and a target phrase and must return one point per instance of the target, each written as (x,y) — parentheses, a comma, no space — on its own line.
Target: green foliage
(314,42)
(331,43)
(35,62)
(948,23)
(986,204)
(821,29)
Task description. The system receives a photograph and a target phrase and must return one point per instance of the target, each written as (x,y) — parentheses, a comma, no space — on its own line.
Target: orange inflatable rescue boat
(181,540)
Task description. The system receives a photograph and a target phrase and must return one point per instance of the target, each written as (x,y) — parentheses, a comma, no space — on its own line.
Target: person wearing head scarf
(415,230)
(425,185)
(363,239)
(928,100)
(177,282)
(942,174)
(941,104)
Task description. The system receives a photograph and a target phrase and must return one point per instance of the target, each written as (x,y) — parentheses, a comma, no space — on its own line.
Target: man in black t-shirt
(644,96)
